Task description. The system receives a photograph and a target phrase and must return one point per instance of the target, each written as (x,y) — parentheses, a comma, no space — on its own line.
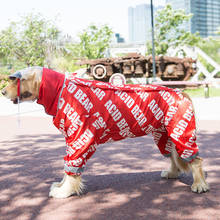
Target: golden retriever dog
(90,112)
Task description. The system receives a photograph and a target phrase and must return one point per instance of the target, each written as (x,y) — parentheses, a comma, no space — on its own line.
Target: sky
(73,16)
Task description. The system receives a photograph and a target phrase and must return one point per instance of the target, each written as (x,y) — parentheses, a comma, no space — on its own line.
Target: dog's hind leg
(199,183)
(68,186)
(174,171)
(178,165)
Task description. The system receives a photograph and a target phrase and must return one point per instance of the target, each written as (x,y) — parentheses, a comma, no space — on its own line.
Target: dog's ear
(25,74)
(15,76)
(22,75)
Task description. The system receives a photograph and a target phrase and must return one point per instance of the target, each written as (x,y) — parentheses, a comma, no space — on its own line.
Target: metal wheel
(117,79)
(99,71)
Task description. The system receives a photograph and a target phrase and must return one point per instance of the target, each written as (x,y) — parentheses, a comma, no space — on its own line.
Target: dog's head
(29,85)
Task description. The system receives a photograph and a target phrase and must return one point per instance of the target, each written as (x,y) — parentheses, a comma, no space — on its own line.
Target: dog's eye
(12,78)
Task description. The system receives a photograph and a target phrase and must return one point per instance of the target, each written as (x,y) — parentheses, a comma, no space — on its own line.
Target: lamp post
(153,48)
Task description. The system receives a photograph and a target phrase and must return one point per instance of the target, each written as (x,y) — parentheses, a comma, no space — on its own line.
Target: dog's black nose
(3,92)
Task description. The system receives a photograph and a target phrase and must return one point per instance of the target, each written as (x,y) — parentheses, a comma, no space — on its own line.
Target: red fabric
(50,88)
(92,113)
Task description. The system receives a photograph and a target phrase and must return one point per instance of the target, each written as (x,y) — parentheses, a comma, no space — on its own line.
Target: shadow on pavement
(123,181)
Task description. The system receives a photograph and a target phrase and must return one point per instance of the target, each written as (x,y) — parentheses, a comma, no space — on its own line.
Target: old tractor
(136,65)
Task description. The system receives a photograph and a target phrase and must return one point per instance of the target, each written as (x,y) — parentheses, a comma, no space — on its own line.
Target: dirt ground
(123,178)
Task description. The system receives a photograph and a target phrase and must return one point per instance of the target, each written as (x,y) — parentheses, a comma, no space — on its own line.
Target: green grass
(213,92)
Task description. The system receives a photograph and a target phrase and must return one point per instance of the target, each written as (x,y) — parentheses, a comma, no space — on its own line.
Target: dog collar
(18,87)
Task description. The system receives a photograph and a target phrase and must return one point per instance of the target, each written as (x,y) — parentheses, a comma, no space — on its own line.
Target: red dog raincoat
(90,112)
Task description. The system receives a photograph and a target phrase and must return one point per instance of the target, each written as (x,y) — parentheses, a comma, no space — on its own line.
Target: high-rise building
(206,15)
(119,39)
(139,23)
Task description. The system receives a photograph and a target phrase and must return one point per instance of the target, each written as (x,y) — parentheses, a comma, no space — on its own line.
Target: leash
(18,76)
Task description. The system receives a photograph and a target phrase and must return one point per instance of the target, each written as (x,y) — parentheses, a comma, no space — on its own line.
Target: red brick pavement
(123,178)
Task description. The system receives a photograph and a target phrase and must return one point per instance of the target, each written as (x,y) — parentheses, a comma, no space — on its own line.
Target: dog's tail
(185,95)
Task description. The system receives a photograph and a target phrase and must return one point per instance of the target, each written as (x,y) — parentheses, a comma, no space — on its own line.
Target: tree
(28,41)
(211,46)
(94,41)
(168,30)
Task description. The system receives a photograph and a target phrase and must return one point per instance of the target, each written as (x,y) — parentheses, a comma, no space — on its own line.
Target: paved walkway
(123,178)
(206,109)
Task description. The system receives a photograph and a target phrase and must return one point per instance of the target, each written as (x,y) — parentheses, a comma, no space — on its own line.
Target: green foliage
(3,79)
(34,40)
(93,42)
(211,47)
(4,71)
(3,83)
(168,30)
(199,92)
(28,40)
(65,64)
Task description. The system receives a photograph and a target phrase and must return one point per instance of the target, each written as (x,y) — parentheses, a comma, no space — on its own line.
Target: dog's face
(30,79)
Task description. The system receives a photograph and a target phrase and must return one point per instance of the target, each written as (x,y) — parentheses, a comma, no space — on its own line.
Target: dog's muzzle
(21,97)
(3,92)
(17,76)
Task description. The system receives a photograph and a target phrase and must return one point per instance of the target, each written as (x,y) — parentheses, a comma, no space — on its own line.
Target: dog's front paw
(59,192)
(200,187)
(68,186)
(55,184)
(169,175)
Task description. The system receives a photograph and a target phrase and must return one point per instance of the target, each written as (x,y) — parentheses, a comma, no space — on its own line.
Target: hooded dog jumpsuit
(91,113)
